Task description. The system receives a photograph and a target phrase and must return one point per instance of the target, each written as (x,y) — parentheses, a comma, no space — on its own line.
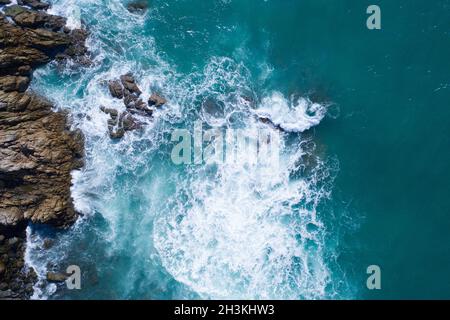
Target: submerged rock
(56,277)
(139,6)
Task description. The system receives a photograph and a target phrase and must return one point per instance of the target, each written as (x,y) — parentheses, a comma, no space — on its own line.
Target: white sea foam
(293,116)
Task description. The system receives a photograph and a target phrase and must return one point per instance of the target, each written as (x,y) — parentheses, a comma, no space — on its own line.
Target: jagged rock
(77,49)
(115,88)
(112,112)
(156,100)
(14,83)
(37,149)
(117,134)
(35,4)
(128,123)
(56,277)
(129,84)
(3,2)
(31,19)
(138,6)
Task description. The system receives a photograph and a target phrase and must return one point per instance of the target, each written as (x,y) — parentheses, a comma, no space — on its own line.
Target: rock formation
(38,151)
(127,90)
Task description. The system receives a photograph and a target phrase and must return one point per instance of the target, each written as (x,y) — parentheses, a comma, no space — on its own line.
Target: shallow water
(361,173)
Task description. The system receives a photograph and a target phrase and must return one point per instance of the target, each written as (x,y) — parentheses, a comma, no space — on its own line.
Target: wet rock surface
(38,150)
(127,90)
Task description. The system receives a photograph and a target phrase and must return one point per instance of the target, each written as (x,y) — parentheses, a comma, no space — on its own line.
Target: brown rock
(56,277)
(14,83)
(35,4)
(130,84)
(2,267)
(128,123)
(112,112)
(32,19)
(156,100)
(115,88)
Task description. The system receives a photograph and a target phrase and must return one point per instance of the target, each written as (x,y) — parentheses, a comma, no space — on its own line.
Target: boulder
(116,89)
(112,112)
(129,84)
(156,100)
(128,123)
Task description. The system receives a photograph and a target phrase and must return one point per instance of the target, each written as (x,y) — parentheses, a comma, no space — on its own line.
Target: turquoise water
(367,185)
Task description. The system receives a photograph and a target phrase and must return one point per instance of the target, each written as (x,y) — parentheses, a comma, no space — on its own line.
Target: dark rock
(35,4)
(24,70)
(77,49)
(128,123)
(31,19)
(117,134)
(129,84)
(56,277)
(112,112)
(115,88)
(2,267)
(2,237)
(14,83)
(156,100)
(48,243)
(3,2)
(13,241)
(138,6)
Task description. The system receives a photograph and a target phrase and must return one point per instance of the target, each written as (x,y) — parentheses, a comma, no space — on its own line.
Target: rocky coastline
(38,151)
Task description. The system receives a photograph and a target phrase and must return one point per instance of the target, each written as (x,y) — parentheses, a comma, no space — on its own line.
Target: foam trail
(293,116)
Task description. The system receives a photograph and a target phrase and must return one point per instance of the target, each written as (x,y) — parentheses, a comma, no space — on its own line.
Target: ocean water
(362,174)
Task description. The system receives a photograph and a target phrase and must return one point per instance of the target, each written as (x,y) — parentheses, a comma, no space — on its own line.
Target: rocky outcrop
(128,91)
(156,100)
(34,19)
(38,150)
